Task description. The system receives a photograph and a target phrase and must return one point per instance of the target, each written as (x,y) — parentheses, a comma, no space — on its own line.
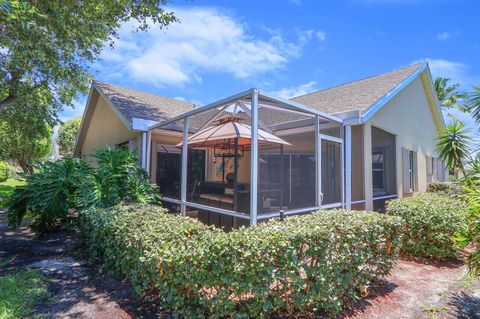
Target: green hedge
(316,262)
(4,171)
(446,188)
(430,223)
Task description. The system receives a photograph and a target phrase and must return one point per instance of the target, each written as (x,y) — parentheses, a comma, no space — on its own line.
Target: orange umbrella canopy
(226,131)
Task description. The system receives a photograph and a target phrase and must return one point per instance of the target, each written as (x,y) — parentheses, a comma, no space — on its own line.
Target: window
(410,180)
(383,164)
(411,171)
(378,171)
(431,164)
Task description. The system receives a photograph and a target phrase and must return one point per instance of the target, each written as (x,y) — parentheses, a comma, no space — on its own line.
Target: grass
(6,188)
(432,310)
(468,281)
(20,292)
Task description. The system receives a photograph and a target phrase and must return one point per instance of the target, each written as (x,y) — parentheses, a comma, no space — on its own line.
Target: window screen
(410,171)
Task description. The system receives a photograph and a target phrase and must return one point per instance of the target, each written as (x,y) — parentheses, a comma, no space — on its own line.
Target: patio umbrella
(228,129)
(230,134)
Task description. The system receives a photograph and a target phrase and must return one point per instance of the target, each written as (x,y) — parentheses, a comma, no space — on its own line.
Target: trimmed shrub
(446,188)
(4,171)
(317,262)
(430,223)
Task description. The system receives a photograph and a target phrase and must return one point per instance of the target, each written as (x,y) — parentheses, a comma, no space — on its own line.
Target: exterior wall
(409,116)
(105,128)
(357,165)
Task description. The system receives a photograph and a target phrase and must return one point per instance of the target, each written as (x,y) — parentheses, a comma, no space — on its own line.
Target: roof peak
(415,65)
(100,83)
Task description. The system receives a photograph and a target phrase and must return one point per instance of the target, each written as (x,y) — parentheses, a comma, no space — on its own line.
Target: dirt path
(414,290)
(78,290)
(419,290)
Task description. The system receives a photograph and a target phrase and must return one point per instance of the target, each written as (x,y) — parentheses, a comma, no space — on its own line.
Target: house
(253,156)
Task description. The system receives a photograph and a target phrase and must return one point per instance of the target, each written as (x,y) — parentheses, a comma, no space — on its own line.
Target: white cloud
(76,110)
(321,36)
(304,36)
(458,72)
(289,92)
(443,36)
(206,40)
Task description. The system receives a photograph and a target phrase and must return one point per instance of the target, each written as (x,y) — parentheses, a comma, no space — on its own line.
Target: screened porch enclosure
(248,158)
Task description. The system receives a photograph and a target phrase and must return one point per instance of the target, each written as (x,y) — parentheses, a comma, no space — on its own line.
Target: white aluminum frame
(255,95)
(342,178)
(254,159)
(348,167)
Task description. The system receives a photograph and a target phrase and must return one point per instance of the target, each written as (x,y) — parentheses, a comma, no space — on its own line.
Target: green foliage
(25,135)
(471,235)
(473,103)
(117,178)
(453,145)
(49,45)
(446,188)
(20,292)
(318,262)
(4,171)
(67,135)
(48,193)
(56,187)
(7,188)
(447,94)
(472,174)
(430,223)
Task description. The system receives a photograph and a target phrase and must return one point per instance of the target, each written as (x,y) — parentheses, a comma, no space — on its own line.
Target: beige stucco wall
(357,163)
(410,117)
(105,128)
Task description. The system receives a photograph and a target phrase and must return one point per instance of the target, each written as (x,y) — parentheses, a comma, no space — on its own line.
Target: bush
(446,188)
(471,234)
(430,223)
(117,178)
(69,183)
(47,194)
(4,171)
(316,262)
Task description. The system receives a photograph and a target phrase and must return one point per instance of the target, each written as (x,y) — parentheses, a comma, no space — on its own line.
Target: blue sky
(290,47)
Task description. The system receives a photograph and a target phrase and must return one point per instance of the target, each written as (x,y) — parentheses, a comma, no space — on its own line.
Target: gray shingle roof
(137,104)
(357,95)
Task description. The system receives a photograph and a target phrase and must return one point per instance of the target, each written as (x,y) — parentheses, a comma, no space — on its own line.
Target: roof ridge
(144,92)
(362,79)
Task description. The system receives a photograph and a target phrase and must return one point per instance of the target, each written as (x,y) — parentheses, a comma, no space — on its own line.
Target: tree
(47,46)
(447,94)
(473,103)
(67,135)
(452,146)
(25,136)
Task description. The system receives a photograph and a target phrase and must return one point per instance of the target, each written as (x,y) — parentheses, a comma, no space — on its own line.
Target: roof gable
(358,95)
(137,104)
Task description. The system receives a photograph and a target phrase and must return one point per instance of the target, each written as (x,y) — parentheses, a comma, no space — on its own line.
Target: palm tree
(473,103)
(452,146)
(447,94)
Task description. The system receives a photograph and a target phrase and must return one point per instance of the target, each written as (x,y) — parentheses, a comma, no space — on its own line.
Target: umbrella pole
(281,177)
(223,168)
(235,176)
